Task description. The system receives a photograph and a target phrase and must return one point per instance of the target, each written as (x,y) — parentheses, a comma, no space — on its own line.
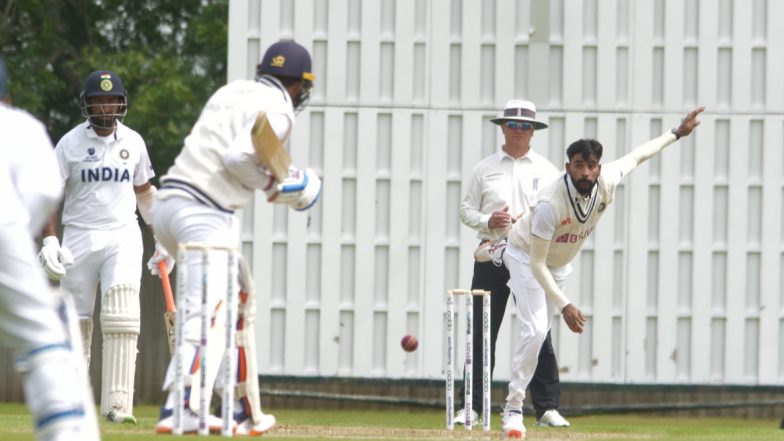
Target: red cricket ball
(409,343)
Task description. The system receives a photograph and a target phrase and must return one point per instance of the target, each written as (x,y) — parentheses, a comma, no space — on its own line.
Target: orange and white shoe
(248,428)
(512,423)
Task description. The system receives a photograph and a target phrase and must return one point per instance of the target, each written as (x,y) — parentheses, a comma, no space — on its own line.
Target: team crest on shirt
(91,155)
(124,154)
(602,206)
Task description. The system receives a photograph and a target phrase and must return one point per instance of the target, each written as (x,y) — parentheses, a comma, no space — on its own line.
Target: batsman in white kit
(544,241)
(215,174)
(106,172)
(34,318)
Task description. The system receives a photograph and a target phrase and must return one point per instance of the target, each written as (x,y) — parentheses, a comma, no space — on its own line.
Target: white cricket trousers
(179,220)
(534,314)
(55,382)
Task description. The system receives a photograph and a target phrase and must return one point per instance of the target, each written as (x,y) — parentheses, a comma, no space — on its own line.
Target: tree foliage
(171,55)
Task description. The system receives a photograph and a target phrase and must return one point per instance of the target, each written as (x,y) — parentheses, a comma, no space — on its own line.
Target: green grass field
(15,425)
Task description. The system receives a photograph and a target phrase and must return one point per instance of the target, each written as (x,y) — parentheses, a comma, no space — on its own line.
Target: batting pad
(120,325)
(248,375)
(215,350)
(246,390)
(86,330)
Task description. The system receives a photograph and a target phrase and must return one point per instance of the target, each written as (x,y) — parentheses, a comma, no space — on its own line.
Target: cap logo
(106,84)
(278,61)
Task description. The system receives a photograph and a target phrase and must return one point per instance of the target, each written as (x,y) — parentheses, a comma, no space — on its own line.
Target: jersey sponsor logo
(106,174)
(573,238)
(566,221)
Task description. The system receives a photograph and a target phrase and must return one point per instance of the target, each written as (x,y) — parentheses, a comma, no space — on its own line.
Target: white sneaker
(491,251)
(552,418)
(512,424)
(248,428)
(120,417)
(461,414)
(190,423)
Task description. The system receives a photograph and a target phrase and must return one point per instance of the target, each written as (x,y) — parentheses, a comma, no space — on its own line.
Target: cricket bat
(269,150)
(170,314)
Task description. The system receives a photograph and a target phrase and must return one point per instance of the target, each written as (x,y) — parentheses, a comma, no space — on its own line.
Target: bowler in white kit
(542,244)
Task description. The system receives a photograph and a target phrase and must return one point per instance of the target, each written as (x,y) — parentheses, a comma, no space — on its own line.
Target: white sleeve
(143,171)
(640,154)
(539,251)
(37,178)
(470,213)
(62,164)
(544,222)
(240,158)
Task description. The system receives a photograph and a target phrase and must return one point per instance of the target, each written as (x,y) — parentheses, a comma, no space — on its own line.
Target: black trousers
(545,386)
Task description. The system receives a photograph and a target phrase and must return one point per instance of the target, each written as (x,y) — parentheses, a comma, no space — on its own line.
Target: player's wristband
(675,132)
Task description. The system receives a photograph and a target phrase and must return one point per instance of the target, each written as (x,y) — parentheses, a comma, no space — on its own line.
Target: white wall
(681,283)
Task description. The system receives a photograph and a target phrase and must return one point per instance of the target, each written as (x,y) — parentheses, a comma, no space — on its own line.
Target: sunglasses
(516,125)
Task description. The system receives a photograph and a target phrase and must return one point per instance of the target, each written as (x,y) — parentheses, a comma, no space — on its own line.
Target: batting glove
(301,190)
(54,258)
(160,255)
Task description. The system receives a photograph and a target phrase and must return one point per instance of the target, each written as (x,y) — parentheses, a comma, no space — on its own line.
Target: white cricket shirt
(500,180)
(223,128)
(566,218)
(29,181)
(99,174)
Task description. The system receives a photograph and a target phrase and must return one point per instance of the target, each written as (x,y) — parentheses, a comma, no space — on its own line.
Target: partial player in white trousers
(215,174)
(184,220)
(544,241)
(105,170)
(533,309)
(34,320)
(41,328)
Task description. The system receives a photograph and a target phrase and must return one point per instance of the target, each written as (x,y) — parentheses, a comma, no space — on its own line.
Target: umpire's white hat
(519,110)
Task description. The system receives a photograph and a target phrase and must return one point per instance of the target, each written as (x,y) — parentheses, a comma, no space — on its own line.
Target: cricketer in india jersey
(99,174)
(564,218)
(99,213)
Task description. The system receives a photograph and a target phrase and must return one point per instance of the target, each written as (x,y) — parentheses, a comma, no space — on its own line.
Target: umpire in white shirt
(502,188)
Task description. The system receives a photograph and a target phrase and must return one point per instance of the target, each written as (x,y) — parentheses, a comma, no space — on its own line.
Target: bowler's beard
(584,186)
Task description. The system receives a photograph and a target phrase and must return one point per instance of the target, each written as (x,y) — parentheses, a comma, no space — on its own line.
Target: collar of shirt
(269,80)
(579,198)
(502,155)
(118,133)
